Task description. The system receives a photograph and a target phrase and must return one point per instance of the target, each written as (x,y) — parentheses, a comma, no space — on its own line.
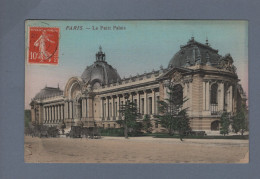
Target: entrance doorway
(215,125)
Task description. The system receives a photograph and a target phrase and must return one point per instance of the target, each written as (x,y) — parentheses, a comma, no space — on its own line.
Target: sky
(140,46)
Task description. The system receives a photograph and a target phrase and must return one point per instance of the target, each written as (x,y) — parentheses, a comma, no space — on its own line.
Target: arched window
(96,85)
(215,125)
(214,94)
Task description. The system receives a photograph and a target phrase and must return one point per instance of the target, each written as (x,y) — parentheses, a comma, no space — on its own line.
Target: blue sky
(142,46)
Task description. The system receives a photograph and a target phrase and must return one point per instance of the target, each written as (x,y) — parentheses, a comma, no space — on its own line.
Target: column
(62,113)
(153,101)
(204,95)
(51,110)
(207,96)
(102,107)
(86,107)
(145,102)
(235,99)
(138,102)
(132,97)
(44,114)
(58,112)
(53,113)
(230,98)
(112,107)
(107,108)
(190,97)
(49,113)
(66,110)
(221,96)
(118,105)
(83,107)
(165,94)
(70,108)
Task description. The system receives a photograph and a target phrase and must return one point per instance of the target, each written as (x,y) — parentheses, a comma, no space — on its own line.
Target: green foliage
(129,115)
(224,123)
(27,118)
(147,125)
(136,130)
(173,116)
(112,132)
(239,122)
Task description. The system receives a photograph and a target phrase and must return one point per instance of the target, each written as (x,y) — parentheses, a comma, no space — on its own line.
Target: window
(114,125)
(157,99)
(105,110)
(96,85)
(214,94)
(115,108)
(150,105)
(80,109)
(108,125)
(110,109)
(142,101)
(68,110)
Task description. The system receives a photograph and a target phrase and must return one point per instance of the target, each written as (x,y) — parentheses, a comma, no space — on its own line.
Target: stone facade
(208,80)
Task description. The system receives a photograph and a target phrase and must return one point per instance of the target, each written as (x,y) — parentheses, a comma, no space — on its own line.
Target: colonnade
(53,113)
(78,109)
(145,100)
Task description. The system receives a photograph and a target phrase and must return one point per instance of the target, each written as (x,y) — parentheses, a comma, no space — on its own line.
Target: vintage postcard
(154,91)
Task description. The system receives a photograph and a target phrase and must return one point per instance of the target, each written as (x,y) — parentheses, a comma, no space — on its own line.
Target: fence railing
(214,109)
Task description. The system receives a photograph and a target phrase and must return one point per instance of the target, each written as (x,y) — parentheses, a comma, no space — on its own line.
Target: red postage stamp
(43,45)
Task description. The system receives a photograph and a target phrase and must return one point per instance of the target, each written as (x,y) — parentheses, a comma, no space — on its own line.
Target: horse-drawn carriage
(87,132)
(42,131)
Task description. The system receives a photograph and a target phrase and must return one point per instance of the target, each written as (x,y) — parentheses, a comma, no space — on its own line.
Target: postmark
(43,45)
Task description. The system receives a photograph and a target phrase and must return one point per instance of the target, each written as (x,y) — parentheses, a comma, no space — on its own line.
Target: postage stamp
(43,45)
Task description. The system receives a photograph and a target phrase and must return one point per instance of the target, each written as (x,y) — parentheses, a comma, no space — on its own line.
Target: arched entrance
(215,125)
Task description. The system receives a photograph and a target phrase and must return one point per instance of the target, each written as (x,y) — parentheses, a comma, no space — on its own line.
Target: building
(207,79)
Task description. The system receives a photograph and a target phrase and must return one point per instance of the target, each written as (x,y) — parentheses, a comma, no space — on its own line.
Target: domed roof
(194,52)
(100,71)
(48,92)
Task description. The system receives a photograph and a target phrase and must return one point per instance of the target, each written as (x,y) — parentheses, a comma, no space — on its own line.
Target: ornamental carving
(84,89)
(176,77)
(227,63)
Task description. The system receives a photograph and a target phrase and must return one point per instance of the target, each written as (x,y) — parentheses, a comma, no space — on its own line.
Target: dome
(100,71)
(48,92)
(194,52)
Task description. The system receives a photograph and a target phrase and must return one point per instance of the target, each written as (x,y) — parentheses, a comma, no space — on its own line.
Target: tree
(224,123)
(27,118)
(172,115)
(147,125)
(129,115)
(239,122)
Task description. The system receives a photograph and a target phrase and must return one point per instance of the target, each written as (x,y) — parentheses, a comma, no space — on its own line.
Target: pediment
(175,74)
